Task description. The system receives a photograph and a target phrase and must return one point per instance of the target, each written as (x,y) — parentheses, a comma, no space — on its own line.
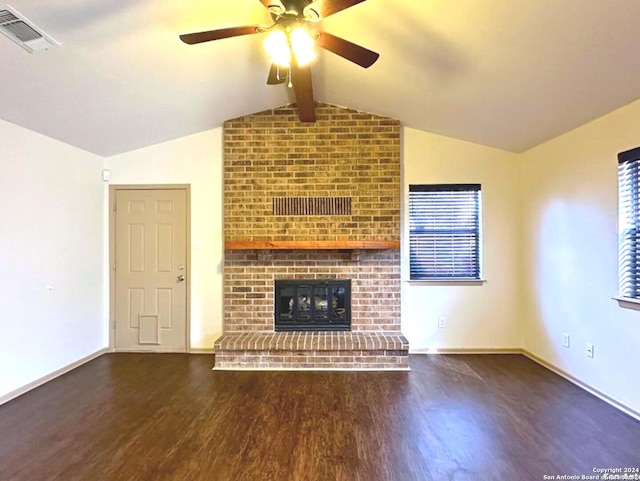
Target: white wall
(195,160)
(52,234)
(479,316)
(570,244)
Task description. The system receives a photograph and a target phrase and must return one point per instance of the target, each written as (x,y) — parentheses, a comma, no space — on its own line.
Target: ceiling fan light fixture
(277,47)
(302,45)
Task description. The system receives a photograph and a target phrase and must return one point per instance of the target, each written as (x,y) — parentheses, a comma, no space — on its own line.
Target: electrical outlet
(442,322)
(589,350)
(565,340)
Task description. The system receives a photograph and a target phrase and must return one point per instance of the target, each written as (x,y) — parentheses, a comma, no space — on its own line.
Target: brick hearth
(312,350)
(348,155)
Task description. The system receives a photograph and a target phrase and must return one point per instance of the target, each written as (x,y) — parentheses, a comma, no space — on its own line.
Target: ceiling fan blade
(303,88)
(199,37)
(355,53)
(277,75)
(328,7)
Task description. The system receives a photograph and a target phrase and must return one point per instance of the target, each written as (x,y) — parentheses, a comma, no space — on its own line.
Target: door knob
(180,278)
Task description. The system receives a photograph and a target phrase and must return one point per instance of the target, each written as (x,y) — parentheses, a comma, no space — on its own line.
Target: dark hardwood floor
(169,417)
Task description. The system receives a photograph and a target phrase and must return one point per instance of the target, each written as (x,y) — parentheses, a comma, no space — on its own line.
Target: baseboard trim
(150,351)
(193,350)
(202,350)
(582,385)
(479,350)
(50,377)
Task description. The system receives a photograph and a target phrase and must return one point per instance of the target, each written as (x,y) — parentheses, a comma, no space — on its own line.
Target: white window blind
(629,223)
(444,231)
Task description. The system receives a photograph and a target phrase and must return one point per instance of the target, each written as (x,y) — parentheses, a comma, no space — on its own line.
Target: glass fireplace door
(311,305)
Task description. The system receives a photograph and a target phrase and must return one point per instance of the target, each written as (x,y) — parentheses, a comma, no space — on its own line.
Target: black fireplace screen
(312,305)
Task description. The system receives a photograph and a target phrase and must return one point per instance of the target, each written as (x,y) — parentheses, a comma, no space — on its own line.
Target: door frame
(113,190)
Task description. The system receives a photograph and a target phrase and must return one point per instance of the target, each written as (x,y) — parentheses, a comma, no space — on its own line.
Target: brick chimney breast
(340,179)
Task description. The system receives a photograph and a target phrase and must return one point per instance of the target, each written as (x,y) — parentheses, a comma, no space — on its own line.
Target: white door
(150,270)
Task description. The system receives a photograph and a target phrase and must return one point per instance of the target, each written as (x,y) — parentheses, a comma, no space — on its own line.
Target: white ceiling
(504,73)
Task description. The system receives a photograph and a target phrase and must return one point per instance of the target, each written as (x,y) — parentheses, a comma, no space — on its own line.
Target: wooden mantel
(307,245)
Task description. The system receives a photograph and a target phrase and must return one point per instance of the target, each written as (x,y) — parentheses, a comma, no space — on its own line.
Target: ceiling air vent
(23,32)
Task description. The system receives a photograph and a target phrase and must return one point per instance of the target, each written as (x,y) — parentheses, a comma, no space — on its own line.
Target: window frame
(629,225)
(478,269)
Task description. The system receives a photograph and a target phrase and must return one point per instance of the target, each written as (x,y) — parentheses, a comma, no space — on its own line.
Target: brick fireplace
(319,202)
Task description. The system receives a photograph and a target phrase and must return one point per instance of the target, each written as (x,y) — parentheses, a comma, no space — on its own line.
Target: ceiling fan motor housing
(296,6)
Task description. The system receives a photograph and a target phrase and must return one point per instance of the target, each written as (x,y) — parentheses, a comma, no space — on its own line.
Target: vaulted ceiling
(503,73)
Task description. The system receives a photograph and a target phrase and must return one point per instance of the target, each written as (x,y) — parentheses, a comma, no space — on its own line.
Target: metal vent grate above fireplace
(312,206)
(312,305)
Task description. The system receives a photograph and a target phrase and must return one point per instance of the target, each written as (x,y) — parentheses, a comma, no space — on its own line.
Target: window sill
(628,302)
(448,282)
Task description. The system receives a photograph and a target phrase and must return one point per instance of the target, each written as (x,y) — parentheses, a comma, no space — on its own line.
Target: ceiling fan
(290,44)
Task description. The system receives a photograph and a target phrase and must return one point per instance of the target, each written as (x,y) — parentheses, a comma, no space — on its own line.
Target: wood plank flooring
(169,417)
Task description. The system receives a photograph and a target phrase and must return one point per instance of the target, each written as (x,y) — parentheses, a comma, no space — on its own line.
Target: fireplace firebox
(313,305)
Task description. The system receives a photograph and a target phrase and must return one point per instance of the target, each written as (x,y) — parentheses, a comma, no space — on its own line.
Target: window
(444,232)
(629,222)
